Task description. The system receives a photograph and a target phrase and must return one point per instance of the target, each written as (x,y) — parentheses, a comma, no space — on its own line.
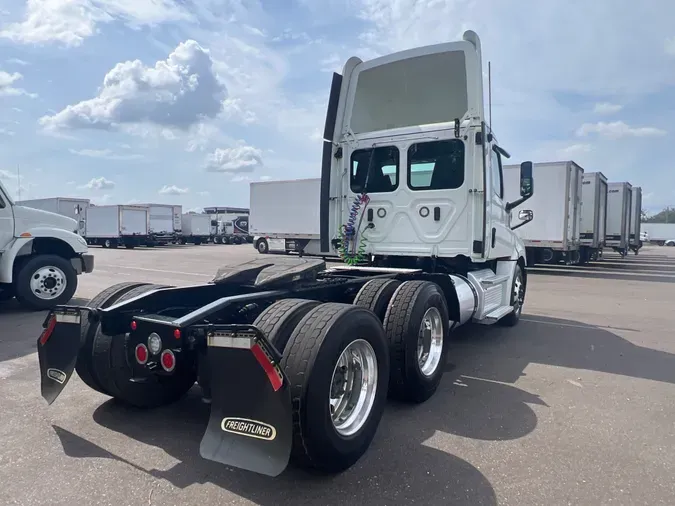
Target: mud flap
(58,346)
(250,426)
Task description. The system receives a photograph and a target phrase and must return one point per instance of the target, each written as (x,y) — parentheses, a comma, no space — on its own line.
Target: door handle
(437,213)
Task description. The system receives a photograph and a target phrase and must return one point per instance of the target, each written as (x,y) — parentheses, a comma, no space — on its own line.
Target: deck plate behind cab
(268,272)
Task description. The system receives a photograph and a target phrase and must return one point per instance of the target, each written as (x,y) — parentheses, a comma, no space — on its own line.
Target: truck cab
(410,165)
(41,255)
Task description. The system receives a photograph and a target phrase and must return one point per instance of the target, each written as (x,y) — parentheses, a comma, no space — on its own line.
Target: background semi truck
(117,225)
(593,215)
(619,198)
(554,234)
(285,216)
(41,255)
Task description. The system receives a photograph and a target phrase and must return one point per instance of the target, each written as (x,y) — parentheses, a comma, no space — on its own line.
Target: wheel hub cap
(518,294)
(353,387)
(430,342)
(48,283)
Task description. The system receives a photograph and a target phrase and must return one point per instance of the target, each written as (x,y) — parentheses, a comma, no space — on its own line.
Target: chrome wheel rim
(353,387)
(518,293)
(48,283)
(430,341)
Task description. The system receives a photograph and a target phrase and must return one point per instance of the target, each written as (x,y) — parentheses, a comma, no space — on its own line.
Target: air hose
(353,251)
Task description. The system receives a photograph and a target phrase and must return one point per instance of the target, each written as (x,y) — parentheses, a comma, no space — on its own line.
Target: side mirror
(526,186)
(526,216)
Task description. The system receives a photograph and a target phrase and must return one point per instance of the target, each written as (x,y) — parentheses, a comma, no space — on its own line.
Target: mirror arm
(521,224)
(516,203)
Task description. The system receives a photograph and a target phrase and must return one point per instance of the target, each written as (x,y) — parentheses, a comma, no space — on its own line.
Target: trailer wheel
(262,246)
(517,299)
(376,294)
(417,325)
(114,372)
(279,320)
(84,364)
(338,367)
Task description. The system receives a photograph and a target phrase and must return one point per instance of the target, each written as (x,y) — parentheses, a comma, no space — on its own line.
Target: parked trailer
(619,197)
(634,238)
(593,215)
(196,228)
(554,234)
(74,208)
(297,360)
(662,234)
(117,225)
(297,229)
(164,223)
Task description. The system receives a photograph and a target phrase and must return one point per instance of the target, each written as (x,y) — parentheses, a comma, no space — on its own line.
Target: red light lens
(134,325)
(141,354)
(176,333)
(168,360)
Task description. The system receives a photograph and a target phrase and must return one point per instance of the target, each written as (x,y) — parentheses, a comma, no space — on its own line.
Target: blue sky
(185,101)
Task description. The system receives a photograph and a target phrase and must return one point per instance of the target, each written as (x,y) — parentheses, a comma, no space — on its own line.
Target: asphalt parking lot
(575,405)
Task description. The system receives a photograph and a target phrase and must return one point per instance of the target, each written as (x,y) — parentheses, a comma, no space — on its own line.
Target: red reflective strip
(47,333)
(269,369)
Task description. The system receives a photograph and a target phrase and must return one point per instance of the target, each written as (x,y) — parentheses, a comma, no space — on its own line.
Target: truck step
(495,315)
(495,280)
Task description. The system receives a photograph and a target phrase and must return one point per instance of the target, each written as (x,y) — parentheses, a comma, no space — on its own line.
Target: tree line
(665,216)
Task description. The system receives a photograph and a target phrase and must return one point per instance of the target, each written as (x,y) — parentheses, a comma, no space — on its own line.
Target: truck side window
(379,166)
(2,203)
(436,165)
(496,167)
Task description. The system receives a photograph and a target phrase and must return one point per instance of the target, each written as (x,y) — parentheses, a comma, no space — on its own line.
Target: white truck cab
(41,255)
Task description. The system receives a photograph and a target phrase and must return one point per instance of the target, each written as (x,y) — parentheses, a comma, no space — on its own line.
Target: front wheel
(338,367)
(45,281)
(517,299)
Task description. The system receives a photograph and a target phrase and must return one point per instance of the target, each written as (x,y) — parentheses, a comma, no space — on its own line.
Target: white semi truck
(284,216)
(41,255)
(117,225)
(634,236)
(662,234)
(619,198)
(593,216)
(75,208)
(554,235)
(297,360)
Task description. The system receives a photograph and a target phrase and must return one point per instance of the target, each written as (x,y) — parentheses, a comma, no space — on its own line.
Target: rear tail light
(141,353)
(168,360)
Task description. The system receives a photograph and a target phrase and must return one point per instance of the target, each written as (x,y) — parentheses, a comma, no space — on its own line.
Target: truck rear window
(374,170)
(436,165)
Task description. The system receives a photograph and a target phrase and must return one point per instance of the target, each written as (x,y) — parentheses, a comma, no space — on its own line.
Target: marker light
(134,325)
(141,354)
(168,360)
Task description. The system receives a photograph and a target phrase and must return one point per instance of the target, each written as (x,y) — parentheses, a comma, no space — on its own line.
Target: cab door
(6,221)
(500,239)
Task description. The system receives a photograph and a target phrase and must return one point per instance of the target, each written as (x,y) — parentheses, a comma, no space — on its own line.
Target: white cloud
(4,131)
(6,85)
(234,160)
(104,153)
(606,108)
(234,110)
(617,129)
(172,190)
(240,179)
(177,92)
(5,174)
(69,22)
(99,183)
(17,61)
(574,149)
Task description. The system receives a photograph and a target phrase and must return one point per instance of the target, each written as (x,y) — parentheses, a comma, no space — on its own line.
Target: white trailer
(619,197)
(196,228)
(74,208)
(660,233)
(284,216)
(117,225)
(164,223)
(634,239)
(554,233)
(593,215)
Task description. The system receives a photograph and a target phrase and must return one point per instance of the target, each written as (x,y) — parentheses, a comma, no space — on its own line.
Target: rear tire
(84,365)
(376,294)
(279,320)
(262,246)
(310,363)
(114,371)
(416,315)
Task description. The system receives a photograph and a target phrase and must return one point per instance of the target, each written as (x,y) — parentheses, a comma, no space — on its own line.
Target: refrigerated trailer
(297,360)
(593,216)
(117,225)
(296,229)
(634,239)
(554,234)
(196,228)
(619,198)
(74,208)
(660,233)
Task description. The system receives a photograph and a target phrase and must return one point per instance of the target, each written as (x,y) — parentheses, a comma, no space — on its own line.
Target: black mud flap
(58,346)
(251,415)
